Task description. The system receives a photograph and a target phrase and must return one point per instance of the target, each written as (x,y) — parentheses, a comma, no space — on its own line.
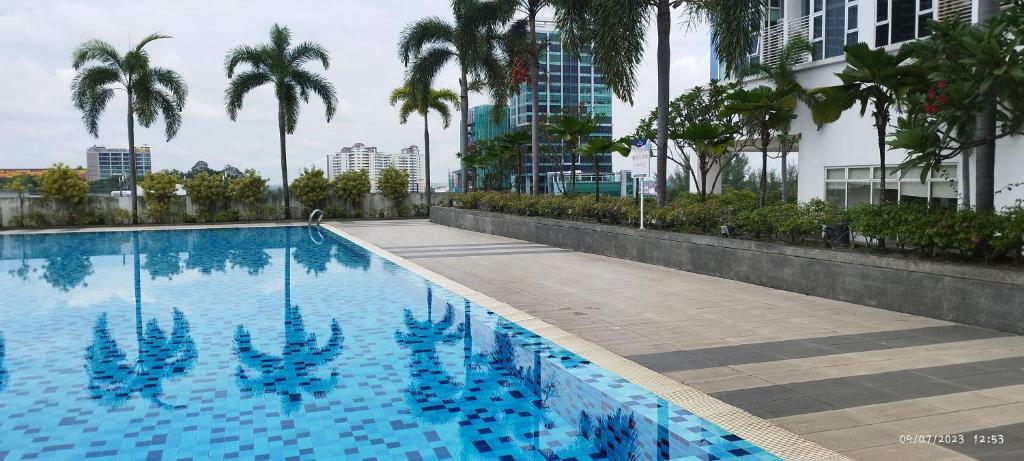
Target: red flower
(941,84)
(931,108)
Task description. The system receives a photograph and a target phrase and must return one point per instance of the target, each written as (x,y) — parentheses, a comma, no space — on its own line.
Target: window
(901,20)
(849,186)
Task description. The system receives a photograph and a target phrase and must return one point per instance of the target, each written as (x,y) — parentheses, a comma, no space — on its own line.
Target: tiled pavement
(852,378)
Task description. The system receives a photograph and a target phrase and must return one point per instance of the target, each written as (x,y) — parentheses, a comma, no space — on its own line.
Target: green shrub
(63,187)
(394,185)
(249,190)
(208,193)
(312,189)
(352,187)
(158,189)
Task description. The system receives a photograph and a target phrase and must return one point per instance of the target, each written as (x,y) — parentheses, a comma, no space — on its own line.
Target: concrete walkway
(853,378)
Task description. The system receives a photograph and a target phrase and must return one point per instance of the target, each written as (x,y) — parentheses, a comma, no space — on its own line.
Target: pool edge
(758,431)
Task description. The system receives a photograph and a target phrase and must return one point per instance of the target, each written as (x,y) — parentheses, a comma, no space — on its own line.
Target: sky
(39,126)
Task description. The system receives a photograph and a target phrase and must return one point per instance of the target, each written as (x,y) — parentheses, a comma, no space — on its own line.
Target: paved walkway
(852,378)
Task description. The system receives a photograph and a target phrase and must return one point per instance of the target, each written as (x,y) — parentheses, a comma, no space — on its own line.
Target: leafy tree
(764,113)
(207,192)
(19,186)
(312,189)
(735,173)
(250,190)
(601,145)
(279,64)
(423,99)
(678,184)
(514,142)
(352,187)
(151,92)
(62,185)
(570,129)
(617,31)
(973,70)
(158,189)
(872,78)
(393,184)
(470,42)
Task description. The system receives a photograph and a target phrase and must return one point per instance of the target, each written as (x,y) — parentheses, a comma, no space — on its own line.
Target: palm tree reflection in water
(294,372)
(3,370)
(113,379)
(432,391)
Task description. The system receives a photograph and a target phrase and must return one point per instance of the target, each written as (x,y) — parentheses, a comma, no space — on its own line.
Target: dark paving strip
(809,347)
(501,253)
(994,443)
(468,248)
(410,247)
(854,391)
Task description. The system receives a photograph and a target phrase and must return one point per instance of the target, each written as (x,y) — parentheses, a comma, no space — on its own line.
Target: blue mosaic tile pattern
(281,343)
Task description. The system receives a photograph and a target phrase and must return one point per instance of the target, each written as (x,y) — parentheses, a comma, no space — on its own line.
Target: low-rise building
(104,162)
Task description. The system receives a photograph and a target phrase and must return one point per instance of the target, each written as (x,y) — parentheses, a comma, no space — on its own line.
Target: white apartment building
(104,162)
(839,161)
(372,160)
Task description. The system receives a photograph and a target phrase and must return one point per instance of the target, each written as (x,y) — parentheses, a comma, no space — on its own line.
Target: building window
(901,20)
(849,186)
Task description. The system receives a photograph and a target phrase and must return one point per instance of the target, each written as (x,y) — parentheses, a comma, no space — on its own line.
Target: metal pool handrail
(319,216)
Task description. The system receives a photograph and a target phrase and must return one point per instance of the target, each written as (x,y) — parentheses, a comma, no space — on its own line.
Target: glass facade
(848,186)
(103,163)
(901,20)
(565,84)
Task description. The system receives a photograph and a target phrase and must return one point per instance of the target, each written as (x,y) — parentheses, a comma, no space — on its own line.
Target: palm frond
(149,38)
(280,38)
(442,108)
(240,85)
(427,32)
(309,51)
(172,82)
(95,50)
(734,26)
(308,82)
(429,64)
(90,93)
(288,100)
(619,38)
(244,54)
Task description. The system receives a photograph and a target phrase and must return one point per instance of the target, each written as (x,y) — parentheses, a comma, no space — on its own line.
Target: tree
(764,113)
(158,189)
(423,99)
(969,68)
(207,192)
(19,186)
(712,145)
(571,129)
(601,145)
(352,187)
(312,189)
(617,31)
(279,64)
(62,185)
(470,42)
(393,184)
(513,142)
(151,92)
(872,78)
(250,190)
(678,184)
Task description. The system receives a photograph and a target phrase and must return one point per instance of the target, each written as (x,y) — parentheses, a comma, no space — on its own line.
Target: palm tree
(513,142)
(423,99)
(280,64)
(151,92)
(617,31)
(530,9)
(470,42)
(593,150)
(872,77)
(570,129)
(765,112)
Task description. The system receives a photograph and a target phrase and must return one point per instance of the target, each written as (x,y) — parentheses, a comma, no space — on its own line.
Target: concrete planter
(982,296)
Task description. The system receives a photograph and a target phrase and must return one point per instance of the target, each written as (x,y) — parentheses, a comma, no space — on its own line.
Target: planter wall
(982,296)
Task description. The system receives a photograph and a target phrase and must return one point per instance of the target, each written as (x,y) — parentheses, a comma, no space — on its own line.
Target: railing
(315,217)
(774,38)
(959,10)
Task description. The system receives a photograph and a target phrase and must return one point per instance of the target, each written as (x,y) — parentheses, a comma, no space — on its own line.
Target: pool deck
(851,378)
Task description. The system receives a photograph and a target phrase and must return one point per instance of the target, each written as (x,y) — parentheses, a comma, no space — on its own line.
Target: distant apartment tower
(104,162)
(371,159)
(410,160)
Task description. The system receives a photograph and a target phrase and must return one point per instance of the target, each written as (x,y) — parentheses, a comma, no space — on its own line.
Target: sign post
(640,161)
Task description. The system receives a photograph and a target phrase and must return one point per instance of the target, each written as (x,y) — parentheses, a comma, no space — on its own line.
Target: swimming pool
(287,343)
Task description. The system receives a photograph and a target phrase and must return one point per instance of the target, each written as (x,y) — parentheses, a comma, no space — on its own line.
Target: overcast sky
(39,126)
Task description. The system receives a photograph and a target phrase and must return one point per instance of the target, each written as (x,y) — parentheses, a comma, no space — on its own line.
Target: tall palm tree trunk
(881,122)
(597,178)
(985,154)
(785,182)
(464,126)
(534,105)
(284,162)
(765,139)
(131,158)
(426,158)
(664,64)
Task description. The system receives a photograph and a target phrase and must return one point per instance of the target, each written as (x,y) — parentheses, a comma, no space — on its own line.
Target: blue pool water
(279,343)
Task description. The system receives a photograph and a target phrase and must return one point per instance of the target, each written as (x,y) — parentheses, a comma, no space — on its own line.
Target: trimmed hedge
(909,228)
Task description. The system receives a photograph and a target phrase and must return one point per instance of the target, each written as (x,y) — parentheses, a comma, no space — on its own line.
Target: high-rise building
(410,160)
(103,162)
(566,84)
(838,162)
(371,159)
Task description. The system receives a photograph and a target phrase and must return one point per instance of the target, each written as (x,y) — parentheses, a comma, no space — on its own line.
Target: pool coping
(760,432)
